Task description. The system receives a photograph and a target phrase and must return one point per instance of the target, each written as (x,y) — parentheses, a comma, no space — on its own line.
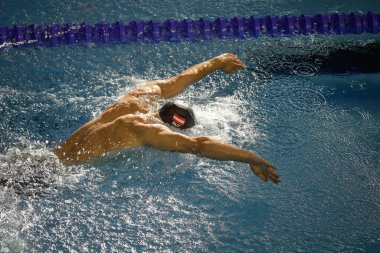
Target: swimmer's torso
(111,131)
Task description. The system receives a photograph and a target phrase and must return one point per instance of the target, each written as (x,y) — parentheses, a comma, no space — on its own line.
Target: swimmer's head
(177,115)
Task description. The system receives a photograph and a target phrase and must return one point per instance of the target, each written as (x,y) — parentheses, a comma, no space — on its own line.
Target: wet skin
(133,121)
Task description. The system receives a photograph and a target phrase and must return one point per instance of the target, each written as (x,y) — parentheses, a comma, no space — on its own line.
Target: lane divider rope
(188,29)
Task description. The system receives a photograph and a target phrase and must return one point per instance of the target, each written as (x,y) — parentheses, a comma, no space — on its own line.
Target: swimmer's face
(177,115)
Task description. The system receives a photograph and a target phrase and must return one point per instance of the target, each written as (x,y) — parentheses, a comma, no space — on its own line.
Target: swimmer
(131,122)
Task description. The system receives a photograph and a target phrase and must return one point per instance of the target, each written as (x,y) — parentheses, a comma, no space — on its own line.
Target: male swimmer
(131,123)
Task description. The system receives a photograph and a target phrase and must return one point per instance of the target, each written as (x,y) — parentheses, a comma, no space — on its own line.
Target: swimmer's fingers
(233,67)
(231,63)
(239,66)
(239,63)
(266,174)
(259,172)
(262,161)
(273,176)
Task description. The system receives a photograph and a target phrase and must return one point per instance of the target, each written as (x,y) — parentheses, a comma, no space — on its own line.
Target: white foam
(11,222)
(225,119)
(26,170)
(32,168)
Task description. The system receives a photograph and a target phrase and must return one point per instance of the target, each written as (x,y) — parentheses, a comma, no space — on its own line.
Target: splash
(28,171)
(122,84)
(33,169)
(225,119)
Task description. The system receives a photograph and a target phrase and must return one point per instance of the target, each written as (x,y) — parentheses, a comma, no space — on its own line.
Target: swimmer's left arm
(162,138)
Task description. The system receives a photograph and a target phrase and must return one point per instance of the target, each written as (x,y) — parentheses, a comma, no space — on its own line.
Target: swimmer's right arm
(171,87)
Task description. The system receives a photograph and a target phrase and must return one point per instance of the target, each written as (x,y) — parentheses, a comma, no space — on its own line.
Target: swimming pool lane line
(188,30)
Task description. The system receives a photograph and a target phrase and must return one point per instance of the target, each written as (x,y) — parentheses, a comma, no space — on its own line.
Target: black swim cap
(177,115)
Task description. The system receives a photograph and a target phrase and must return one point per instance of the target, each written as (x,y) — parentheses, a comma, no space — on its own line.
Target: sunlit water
(321,130)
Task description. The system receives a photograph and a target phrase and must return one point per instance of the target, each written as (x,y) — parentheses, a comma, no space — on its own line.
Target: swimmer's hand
(264,170)
(230,63)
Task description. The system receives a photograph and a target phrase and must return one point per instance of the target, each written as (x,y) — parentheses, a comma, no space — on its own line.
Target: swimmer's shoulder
(131,120)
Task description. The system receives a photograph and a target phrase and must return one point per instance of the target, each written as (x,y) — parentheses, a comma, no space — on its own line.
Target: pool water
(322,131)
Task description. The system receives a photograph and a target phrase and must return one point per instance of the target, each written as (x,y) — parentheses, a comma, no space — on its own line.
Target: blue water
(321,130)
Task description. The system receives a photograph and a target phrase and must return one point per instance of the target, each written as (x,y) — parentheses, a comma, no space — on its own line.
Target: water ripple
(305,99)
(348,116)
(358,85)
(305,70)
